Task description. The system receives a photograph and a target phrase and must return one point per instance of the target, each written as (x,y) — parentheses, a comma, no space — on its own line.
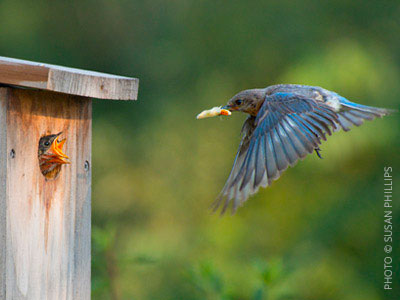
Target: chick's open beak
(56,148)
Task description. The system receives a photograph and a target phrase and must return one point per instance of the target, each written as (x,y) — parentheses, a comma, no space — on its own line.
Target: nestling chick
(50,155)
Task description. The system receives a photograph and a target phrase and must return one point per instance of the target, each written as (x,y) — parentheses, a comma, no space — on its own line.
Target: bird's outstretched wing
(287,128)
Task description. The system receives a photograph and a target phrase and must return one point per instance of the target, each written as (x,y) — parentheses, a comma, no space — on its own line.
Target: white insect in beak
(213,112)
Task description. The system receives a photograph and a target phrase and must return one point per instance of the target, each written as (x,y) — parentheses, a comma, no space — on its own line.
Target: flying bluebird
(286,122)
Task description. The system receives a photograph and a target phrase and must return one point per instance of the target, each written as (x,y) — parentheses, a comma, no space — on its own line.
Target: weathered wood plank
(3,176)
(67,80)
(47,236)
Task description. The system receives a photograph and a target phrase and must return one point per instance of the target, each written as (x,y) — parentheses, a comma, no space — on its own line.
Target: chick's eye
(47,143)
(239,102)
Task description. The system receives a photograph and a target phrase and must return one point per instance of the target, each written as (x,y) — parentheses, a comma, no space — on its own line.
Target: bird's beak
(230,108)
(227,107)
(56,148)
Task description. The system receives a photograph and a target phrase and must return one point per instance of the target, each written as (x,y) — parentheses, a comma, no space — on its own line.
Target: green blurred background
(317,233)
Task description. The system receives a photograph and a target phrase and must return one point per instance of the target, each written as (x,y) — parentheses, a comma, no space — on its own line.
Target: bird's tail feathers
(355,114)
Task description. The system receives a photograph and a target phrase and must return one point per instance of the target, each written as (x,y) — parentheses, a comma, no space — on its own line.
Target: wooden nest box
(45,223)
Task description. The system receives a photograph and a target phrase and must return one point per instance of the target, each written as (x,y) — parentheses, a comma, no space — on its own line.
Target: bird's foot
(317,150)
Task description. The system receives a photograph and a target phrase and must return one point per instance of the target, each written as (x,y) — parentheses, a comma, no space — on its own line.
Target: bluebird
(286,122)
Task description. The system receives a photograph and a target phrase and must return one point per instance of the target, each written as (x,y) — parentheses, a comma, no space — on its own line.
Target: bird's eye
(239,102)
(47,143)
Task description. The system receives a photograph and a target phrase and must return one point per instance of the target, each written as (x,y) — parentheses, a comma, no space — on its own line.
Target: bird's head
(50,154)
(248,101)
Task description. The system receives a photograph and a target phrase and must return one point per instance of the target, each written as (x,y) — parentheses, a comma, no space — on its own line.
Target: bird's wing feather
(287,128)
(355,114)
(247,131)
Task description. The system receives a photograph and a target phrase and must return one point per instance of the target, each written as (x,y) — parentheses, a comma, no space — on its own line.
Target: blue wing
(287,128)
(349,113)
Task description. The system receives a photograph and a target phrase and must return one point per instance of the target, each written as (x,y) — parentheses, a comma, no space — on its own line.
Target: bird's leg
(317,150)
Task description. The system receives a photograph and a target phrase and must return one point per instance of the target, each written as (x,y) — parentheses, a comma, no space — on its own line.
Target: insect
(215,111)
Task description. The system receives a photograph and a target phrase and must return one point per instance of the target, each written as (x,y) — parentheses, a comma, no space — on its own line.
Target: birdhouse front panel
(47,218)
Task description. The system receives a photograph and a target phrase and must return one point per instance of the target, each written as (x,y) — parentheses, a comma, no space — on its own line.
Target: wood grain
(3,176)
(67,80)
(47,223)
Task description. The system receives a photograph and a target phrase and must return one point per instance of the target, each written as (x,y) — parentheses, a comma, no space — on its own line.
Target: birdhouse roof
(67,80)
